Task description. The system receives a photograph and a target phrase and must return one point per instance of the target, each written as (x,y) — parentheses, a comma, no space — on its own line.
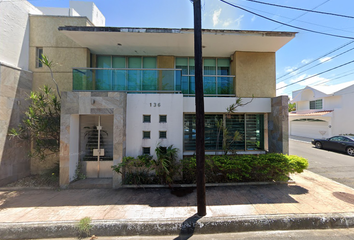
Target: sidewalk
(301,139)
(312,202)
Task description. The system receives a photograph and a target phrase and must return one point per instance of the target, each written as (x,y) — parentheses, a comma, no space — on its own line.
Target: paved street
(328,234)
(336,166)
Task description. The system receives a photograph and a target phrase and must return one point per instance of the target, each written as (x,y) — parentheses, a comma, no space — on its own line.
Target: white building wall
(154,105)
(59,11)
(343,118)
(219,105)
(14,32)
(90,10)
(330,103)
(302,106)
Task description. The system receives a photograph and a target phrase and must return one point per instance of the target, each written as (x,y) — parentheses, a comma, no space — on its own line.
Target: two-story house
(323,111)
(126,91)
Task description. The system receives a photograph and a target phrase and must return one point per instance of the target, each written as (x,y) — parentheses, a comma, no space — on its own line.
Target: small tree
(291,107)
(229,138)
(41,123)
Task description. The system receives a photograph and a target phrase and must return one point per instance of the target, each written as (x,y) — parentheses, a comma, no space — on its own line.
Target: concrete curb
(185,227)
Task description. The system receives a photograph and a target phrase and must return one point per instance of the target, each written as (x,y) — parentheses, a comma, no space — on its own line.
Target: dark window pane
(146,118)
(163,134)
(146,150)
(163,118)
(146,135)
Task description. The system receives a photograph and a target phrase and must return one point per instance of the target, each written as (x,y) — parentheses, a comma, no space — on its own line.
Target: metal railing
(148,80)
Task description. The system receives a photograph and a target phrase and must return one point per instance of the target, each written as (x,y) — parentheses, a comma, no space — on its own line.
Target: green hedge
(218,169)
(245,168)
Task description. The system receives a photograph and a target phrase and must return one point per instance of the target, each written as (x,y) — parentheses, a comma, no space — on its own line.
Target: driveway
(336,166)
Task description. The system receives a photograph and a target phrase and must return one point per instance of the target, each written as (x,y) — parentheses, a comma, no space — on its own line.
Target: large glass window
(248,129)
(136,79)
(317,104)
(216,71)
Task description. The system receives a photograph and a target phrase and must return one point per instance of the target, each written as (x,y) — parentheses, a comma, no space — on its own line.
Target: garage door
(309,129)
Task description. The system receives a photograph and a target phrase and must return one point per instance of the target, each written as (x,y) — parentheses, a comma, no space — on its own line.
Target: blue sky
(304,48)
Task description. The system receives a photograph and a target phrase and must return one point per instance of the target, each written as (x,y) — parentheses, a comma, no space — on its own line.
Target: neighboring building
(137,86)
(323,111)
(19,72)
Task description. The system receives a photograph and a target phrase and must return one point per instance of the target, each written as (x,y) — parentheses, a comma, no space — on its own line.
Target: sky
(306,48)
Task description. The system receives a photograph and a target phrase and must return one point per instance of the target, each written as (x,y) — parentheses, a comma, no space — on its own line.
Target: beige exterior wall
(64,52)
(165,62)
(255,74)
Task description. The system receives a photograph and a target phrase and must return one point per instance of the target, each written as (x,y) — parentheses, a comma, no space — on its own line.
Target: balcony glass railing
(148,81)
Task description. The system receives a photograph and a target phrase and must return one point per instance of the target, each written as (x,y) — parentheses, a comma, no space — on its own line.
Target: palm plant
(166,167)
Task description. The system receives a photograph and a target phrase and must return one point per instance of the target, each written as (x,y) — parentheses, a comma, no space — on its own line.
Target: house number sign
(155,104)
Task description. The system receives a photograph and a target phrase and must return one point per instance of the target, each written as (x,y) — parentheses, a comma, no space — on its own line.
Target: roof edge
(173,30)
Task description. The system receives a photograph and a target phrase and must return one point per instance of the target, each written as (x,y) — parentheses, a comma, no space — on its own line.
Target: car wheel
(350,151)
(318,145)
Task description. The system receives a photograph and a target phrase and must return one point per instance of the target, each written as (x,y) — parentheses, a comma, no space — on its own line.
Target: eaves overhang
(173,42)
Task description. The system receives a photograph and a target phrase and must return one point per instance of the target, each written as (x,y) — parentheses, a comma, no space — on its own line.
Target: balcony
(145,80)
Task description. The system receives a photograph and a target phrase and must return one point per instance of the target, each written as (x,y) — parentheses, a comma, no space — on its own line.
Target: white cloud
(280,91)
(290,69)
(310,81)
(216,17)
(218,21)
(305,61)
(325,59)
(253,18)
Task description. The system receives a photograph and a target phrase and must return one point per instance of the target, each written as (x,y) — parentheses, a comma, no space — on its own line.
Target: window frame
(146,115)
(217,75)
(147,132)
(163,115)
(316,104)
(146,148)
(165,132)
(39,53)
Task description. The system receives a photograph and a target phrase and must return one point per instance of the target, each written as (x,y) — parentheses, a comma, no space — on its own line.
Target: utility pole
(199,108)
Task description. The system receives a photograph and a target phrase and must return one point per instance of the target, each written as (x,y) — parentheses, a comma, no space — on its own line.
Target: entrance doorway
(96,145)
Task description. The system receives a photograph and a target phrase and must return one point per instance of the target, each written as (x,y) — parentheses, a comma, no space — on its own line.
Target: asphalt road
(328,234)
(336,166)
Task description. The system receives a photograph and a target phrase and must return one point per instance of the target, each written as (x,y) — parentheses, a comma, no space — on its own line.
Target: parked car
(336,143)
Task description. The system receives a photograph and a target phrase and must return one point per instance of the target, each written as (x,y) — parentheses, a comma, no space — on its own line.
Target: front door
(96,145)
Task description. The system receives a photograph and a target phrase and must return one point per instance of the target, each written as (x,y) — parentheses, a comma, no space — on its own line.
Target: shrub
(136,170)
(243,168)
(41,124)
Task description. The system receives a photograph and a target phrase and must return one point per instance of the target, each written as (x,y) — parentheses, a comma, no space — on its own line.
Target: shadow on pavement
(157,197)
(187,228)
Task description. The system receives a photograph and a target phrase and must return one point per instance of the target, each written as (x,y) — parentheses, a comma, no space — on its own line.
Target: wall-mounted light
(93,101)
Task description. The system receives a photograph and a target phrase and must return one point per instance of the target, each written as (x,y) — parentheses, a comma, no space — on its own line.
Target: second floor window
(135,79)
(216,72)
(317,104)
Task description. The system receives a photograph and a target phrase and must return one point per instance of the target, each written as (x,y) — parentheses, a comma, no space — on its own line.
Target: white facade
(14,33)
(90,10)
(334,118)
(154,105)
(219,105)
(59,11)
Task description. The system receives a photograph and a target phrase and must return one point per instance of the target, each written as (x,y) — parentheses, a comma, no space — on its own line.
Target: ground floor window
(250,128)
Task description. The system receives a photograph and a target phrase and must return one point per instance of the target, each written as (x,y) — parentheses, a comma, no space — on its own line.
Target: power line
(316,75)
(303,14)
(302,9)
(305,29)
(317,59)
(321,63)
(351,72)
(311,23)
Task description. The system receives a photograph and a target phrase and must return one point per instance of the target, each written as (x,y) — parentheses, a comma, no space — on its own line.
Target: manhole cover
(346,197)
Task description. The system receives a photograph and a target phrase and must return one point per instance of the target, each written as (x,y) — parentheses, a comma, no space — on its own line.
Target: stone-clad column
(74,104)
(278,125)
